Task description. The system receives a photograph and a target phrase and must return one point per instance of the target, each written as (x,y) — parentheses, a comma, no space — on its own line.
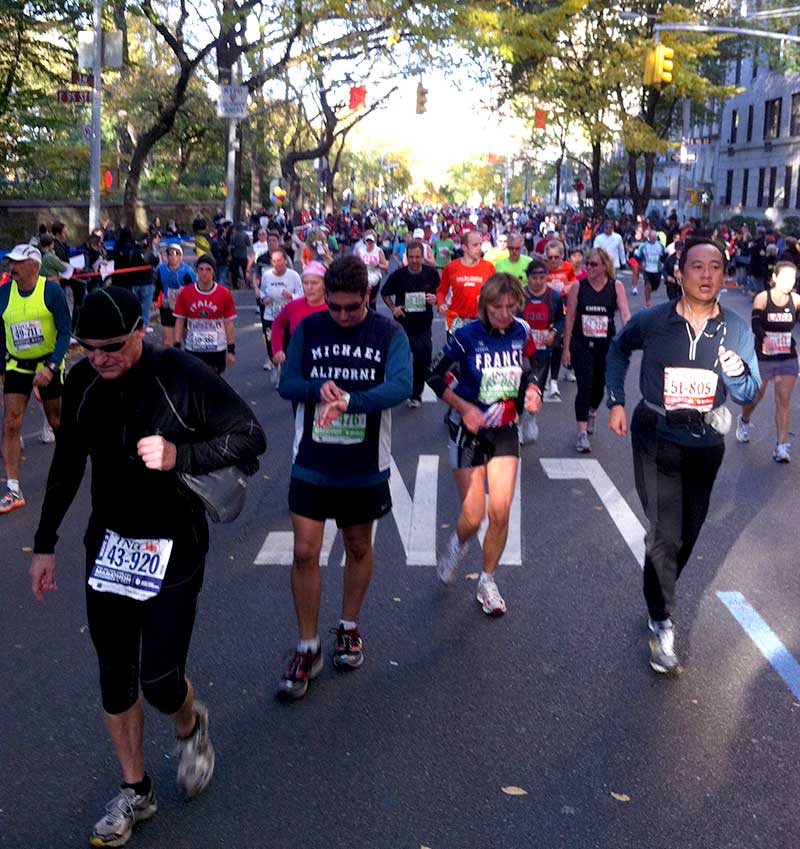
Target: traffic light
(422,96)
(658,65)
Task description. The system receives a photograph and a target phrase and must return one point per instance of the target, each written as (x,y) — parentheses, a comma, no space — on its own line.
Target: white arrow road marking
(621,514)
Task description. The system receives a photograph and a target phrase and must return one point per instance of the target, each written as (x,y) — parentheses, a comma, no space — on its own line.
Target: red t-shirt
(465,283)
(562,279)
(205,314)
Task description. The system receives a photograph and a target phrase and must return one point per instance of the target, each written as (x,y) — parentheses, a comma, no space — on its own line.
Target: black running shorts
(348,507)
(469,450)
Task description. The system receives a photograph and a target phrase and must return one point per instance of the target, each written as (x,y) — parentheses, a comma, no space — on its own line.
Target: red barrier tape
(109,274)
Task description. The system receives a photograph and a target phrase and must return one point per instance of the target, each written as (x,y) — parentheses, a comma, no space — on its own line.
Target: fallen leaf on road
(511,790)
(27,549)
(472,576)
(396,598)
(567,809)
(393,663)
(230,557)
(620,797)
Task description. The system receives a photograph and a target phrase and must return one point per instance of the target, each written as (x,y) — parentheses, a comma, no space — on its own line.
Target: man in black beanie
(152,414)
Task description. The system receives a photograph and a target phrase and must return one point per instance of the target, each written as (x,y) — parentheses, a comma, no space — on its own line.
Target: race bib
(594,326)
(415,302)
(775,343)
(499,384)
(130,567)
(540,337)
(348,429)
(689,389)
(206,335)
(27,334)
(172,297)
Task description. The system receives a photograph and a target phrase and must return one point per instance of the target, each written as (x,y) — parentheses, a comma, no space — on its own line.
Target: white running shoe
(781,453)
(582,444)
(552,395)
(47,437)
(634,291)
(742,429)
(451,559)
(567,374)
(268,364)
(489,597)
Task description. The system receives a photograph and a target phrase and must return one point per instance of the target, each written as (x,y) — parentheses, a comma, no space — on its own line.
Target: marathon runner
(279,285)
(493,359)
(544,312)
(143,415)
(514,263)
(651,256)
(588,331)
(35,331)
(414,291)
(204,314)
(462,280)
(560,278)
(171,277)
(774,319)
(694,353)
(297,309)
(346,368)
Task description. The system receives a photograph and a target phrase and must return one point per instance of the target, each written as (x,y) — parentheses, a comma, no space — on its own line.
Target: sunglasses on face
(593,264)
(349,308)
(110,347)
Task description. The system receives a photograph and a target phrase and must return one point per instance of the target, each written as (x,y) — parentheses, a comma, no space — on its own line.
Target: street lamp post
(95,152)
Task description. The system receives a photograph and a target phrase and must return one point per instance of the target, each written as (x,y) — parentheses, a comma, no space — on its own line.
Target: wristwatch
(52,366)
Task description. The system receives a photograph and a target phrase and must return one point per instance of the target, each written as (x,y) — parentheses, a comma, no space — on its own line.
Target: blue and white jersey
(491,361)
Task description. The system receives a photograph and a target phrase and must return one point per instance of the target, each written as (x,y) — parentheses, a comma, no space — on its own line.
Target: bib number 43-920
(130,567)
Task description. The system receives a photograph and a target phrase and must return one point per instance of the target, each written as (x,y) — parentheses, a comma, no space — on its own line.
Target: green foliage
(791,226)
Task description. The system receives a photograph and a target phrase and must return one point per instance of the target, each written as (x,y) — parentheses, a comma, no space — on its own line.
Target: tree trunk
(640,197)
(559,164)
(598,201)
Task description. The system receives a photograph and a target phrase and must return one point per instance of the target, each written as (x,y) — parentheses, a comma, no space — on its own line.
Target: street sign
(232,101)
(64,95)
(80,78)
(87,132)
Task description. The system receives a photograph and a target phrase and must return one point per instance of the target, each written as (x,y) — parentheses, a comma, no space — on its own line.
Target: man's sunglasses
(351,308)
(111,347)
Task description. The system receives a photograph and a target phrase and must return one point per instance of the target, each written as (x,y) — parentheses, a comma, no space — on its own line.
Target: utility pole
(230,170)
(95,152)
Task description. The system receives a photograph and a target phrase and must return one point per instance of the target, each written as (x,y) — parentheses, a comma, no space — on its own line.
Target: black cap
(206,259)
(108,313)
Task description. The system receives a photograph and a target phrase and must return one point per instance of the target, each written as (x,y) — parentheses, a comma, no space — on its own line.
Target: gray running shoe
(663,658)
(122,813)
(451,559)
(591,422)
(582,444)
(195,756)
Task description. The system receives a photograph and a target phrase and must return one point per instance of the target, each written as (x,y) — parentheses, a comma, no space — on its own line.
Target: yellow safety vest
(30,329)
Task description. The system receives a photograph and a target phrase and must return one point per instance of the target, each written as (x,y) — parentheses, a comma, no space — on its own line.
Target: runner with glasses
(345,368)
(142,414)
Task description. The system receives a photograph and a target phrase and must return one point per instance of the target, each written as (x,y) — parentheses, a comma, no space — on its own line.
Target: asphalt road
(414,749)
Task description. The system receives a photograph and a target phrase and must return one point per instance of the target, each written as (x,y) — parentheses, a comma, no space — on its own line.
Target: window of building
(755,66)
(795,128)
(772,119)
(734,125)
(745,182)
(797,197)
(787,187)
(773,177)
(728,188)
(760,195)
(738,71)
(750,122)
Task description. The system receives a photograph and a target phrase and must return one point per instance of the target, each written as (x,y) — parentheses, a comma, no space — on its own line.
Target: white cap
(419,233)
(23,252)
